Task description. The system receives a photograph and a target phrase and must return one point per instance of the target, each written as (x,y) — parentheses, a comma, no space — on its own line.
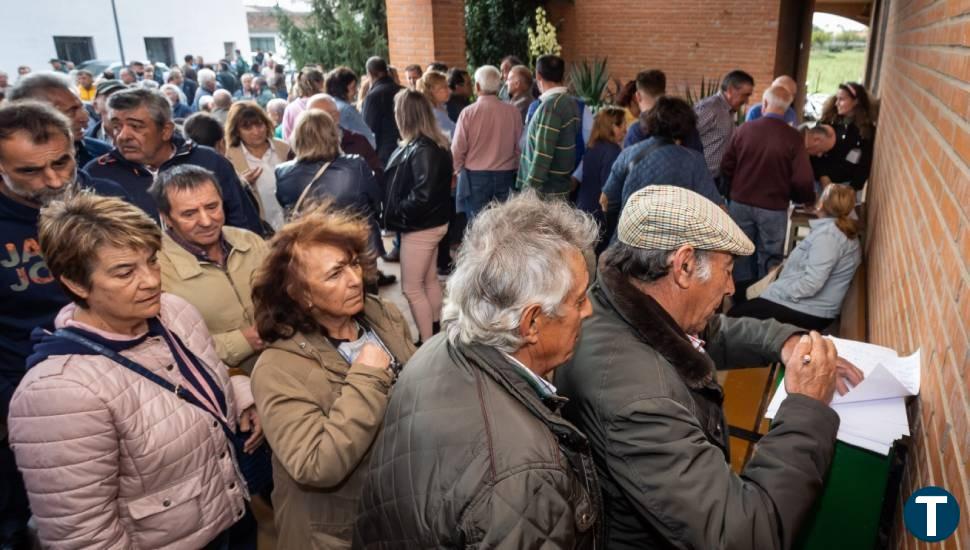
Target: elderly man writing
(642,388)
(474,453)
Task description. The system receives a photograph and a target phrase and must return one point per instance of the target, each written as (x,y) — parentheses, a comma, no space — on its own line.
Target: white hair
(512,257)
(206,75)
(489,79)
(277,104)
(316,98)
(778,98)
(205,102)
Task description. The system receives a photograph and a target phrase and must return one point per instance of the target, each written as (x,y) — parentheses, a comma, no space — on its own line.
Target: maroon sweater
(768,165)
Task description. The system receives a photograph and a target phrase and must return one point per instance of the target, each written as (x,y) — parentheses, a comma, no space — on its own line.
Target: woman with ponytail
(817,274)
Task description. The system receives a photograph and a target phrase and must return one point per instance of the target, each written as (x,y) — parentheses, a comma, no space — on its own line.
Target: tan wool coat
(223,296)
(321,416)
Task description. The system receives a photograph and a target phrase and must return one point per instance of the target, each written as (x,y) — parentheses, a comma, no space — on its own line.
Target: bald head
(221,99)
(786,82)
(776,100)
(819,139)
(325,103)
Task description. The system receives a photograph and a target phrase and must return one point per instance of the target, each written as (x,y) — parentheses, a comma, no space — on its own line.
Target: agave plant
(589,79)
(708,88)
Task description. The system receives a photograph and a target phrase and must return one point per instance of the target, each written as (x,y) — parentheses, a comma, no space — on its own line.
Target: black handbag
(256,468)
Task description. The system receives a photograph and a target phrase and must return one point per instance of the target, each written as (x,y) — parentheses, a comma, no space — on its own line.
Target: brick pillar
(422,31)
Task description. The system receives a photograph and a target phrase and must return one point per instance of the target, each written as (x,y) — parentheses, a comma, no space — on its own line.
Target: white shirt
(265,185)
(542,382)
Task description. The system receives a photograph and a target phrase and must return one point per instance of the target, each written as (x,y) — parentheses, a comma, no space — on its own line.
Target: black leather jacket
(348,181)
(418,178)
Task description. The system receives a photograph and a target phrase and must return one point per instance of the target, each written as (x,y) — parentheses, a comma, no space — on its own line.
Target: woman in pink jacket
(110,458)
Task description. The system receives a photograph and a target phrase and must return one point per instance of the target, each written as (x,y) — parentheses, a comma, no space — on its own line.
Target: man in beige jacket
(207,264)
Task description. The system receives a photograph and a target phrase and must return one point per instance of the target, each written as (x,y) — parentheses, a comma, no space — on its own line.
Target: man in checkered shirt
(716,118)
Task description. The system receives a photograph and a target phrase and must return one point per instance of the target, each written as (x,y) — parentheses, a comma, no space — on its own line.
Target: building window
(160,50)
(262,43)
(74,48)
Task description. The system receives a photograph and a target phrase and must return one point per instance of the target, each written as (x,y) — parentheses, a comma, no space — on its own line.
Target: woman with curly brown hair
(851,113)
(323,381)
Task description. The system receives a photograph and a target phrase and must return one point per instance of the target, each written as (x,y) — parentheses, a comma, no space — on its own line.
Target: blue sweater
(29,296)
(635,134)
(135,179)
(596,170)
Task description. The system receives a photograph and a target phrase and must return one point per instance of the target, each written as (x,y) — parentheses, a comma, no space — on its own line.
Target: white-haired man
(207,85)
(787,83)
(472,425)
(766,167)
(642,387)
(221,102)
(486,145)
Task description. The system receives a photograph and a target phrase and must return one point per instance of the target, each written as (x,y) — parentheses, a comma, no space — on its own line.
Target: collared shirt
(542,386)
(487,136)
(715,122)
(445,124)
(199,252)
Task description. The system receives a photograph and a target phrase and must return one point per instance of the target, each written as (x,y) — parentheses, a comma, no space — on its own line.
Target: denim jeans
(486,186)
(766,229)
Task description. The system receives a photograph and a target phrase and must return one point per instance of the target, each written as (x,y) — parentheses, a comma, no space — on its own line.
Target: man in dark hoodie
(37,165)
(145,143)
(57,90)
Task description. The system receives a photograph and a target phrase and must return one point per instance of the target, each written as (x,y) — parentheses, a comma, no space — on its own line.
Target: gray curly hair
(513,256)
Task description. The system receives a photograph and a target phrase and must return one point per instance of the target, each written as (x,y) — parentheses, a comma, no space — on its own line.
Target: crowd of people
(192,326)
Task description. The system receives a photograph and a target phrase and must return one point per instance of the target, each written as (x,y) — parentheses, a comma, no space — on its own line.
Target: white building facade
(34,31)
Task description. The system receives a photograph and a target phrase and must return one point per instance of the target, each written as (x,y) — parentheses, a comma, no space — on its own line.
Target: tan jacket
(224,297)
(321,416)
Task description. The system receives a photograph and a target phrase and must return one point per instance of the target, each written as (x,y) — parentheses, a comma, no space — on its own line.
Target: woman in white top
(255,153)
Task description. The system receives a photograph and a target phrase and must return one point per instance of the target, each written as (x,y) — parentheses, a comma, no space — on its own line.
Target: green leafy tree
(820,37)
(497,28)
(336,32)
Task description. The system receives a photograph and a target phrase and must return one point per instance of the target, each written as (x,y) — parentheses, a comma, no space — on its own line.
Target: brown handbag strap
(306,190)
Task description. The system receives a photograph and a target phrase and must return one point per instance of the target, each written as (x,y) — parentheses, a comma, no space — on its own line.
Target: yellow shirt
(87,94)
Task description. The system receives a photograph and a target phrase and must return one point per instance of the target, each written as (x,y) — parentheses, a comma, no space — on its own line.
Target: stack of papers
(873,414)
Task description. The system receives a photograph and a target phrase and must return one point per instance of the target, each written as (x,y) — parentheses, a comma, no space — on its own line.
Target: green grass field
(826,70)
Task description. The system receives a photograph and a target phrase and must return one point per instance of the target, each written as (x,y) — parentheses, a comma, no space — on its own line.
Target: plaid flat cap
(665,217)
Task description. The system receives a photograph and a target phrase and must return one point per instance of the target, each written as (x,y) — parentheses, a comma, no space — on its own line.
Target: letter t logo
(931,502)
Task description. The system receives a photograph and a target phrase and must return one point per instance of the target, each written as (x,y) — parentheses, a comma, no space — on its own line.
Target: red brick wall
(422,31)
(918,249)
(687,39)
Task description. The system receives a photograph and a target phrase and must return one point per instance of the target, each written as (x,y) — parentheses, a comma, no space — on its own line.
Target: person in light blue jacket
(341,84)
(810,289)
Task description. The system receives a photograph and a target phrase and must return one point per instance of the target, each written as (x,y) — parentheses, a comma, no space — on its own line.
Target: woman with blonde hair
(254,152)
(322,384)
(419,203)
(321,170)
(127,427)
(434,86)
(816,276)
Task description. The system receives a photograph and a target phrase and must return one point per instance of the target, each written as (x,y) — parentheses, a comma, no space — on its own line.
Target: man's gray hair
(648,265)
(206,75)
(157,104)
(276,104)
(489,79)
(513,256)
(37,86)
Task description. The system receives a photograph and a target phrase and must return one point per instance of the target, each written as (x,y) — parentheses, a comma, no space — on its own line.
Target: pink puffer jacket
(111,460)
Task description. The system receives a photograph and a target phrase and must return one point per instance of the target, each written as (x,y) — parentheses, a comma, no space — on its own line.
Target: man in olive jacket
(642,388)
(474,453)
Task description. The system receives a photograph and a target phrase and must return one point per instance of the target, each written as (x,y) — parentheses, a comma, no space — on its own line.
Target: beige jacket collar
(188,266)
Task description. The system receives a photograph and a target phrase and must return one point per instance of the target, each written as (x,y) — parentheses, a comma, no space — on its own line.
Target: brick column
(422,31)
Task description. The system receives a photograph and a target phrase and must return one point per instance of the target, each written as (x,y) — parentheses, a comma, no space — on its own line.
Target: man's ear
(682,266)
(167,130)
(77,288)
(529,323)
